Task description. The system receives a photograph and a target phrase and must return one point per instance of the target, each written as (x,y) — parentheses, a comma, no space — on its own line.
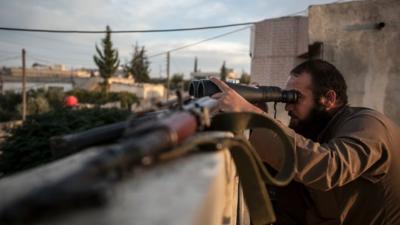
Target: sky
(77,50)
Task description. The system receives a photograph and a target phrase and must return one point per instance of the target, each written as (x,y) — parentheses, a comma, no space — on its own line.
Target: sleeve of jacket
(359,148)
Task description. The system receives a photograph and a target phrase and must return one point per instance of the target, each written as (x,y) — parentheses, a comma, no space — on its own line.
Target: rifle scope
(202,88)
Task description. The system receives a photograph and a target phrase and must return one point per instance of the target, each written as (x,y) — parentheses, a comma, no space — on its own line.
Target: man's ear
(329,100)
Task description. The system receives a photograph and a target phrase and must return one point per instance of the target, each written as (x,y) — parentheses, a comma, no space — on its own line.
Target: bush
(100,98)
(35,105)
(8,111)
(40,101)
(28,145)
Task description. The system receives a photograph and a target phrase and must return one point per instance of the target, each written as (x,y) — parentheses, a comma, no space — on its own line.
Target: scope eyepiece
(290,96)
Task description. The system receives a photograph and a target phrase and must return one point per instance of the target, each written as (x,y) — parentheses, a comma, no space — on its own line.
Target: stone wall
(368,57)
(277,43)
(275,47)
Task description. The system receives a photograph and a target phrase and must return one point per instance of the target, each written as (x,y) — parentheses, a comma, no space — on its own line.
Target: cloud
(74,49)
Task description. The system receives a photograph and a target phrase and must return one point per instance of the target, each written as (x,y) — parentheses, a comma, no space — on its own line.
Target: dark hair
(324,77)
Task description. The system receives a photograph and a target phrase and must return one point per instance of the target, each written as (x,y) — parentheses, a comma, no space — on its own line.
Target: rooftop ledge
(200,188)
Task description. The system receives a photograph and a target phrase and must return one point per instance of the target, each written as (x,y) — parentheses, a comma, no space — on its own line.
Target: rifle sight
(202,88)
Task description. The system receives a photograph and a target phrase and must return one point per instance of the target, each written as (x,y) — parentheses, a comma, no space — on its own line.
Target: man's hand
(230,101)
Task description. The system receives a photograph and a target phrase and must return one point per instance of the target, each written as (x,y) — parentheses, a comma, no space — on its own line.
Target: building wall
(13,83)
(56,71)
(144,91)
(276,45)
(369,58)
(153,91)
(17,86)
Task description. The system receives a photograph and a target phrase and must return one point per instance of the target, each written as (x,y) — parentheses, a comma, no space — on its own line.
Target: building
(362,38)
(44,77)
(14,83)
(231,74)
(277,45)
(54,71)
(141,90)
(203,75)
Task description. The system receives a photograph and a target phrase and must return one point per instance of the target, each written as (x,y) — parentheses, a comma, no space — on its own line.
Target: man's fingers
(221,85)
(217,95)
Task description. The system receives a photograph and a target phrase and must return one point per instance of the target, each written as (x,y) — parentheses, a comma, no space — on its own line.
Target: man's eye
(299,95)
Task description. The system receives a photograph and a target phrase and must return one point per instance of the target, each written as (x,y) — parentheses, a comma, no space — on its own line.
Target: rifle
(68,144)
(64,145)
(173,132)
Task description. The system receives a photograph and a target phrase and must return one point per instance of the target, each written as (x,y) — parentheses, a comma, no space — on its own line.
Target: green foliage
(28,145)
(40,101)
(245,78)
(100,97)
(223,72)
(55,98)
(158,81)
(35,105)
(37,102)
(8,111)
(107,60)
(126,99)
(138,67)
(176,82)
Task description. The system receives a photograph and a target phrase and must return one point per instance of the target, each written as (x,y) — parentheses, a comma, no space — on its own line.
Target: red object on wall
(70,101)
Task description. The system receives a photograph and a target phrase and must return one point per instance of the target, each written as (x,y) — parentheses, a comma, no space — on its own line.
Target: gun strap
(250,167)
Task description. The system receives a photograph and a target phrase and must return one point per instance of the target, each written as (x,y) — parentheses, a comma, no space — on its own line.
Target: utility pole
(23,86)
(168,61)
(195,65)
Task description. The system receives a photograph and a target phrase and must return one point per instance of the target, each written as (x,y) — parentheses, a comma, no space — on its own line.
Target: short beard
(313,124)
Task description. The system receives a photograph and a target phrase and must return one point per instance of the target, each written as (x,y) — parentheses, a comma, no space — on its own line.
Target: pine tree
(107,60)
(224,72)
(139,65)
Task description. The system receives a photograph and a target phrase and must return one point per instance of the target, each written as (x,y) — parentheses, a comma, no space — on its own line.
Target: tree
(139,65)
(245,78)
(177,81)
(224,72)
(35,105)
(107,60)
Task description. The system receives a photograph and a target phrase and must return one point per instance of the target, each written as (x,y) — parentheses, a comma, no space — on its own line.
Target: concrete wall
(197,189)
(17,86)
(145,91)
(275,47)
(276,43)
(369,58)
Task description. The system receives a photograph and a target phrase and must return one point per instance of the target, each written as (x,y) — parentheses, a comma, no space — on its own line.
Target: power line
(3,51)
(8,58)
(199,42)
(149,31)
(41,60)
(124,31)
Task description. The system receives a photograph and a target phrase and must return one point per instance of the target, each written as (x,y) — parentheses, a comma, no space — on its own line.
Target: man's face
(307,116)
(301,110)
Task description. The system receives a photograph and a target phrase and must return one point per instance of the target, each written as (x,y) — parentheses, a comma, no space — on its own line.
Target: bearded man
(348,158)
